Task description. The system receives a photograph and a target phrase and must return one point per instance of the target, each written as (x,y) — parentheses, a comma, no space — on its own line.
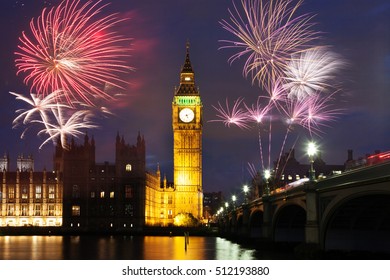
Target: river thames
(126,248)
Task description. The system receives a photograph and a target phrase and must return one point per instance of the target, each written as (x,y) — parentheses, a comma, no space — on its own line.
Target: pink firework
(258,111)
(71,49)
(232,116)
(268,33)
(294,110)
(319,112)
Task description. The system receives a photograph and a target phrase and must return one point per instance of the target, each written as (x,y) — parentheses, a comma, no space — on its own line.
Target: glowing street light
(227,208)
(311,152)
(267,175)
(234,198)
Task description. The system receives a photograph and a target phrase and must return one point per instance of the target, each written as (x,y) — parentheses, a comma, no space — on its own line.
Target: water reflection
(226,250)
(120,248)
(30,247)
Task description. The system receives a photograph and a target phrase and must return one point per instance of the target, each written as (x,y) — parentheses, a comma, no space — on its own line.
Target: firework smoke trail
(72,50)
(268,34)
(311,72)
(278,171)
(294,111)
(257,113)
(269,143)
(278,99)
(99,110)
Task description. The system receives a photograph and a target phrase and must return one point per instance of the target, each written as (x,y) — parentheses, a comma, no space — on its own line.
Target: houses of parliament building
(81,194)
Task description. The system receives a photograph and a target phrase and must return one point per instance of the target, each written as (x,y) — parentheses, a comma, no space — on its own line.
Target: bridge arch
(359,222)
(289,223)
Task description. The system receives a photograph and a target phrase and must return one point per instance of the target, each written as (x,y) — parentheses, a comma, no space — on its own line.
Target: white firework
(39,107)
(65,124)
(312,71)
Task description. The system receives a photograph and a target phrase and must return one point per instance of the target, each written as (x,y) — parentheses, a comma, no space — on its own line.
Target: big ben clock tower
(187,144)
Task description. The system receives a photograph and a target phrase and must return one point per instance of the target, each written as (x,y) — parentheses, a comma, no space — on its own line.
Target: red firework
(72,49)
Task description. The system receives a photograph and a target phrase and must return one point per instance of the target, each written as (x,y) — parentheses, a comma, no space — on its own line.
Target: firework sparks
(58,119)
(236,115)
(298,76)
(269,34)
(64,125)
(39,107)
(71,49)
(294,110)
(257,111)
(320,111)
(276,92)
(311,72)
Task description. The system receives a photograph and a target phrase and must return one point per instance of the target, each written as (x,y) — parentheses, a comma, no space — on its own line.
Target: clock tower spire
(187,122)
(187,77)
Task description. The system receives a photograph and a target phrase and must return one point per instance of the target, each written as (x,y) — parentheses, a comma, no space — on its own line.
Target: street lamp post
(267,175)
(311,151)
(246,190)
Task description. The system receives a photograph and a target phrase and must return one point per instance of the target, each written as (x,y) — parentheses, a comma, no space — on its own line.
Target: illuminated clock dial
(186,115)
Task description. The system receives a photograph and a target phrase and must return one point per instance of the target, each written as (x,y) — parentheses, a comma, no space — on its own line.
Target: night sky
(359,30)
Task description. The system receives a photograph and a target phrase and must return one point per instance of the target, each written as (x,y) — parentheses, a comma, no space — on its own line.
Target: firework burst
(299,78)
(64,124)
(58,120)
(39,107)
(268,34)
(257,112)
(73,50)
(319,112)
(237,115)
(310,72)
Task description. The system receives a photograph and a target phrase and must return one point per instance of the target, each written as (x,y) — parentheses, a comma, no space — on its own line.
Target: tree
(185,220)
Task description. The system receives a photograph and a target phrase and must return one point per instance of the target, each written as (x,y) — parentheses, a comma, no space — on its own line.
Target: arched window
(128,167)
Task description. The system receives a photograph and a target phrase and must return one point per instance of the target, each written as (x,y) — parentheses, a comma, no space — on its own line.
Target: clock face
(186,115)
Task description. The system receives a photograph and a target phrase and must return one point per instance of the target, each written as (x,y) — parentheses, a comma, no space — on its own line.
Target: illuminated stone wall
(159,201)
(30,199)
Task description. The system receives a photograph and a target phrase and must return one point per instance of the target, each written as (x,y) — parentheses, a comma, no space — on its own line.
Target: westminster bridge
(349,211)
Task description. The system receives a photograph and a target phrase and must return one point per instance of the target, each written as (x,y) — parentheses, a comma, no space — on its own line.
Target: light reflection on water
(121,248)
(30,247)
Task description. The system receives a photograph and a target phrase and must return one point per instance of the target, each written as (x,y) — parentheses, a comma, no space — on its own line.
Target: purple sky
(359,30)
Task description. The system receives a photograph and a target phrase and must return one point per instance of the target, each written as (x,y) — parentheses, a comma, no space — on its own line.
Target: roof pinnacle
(187,67)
